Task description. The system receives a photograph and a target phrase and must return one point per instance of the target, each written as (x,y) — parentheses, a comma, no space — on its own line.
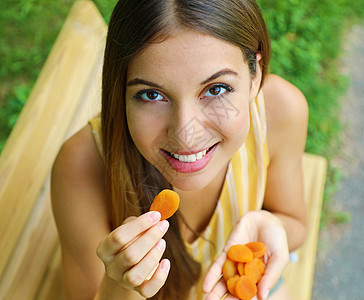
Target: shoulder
(78,172)
(284,102)
(287,113)
(78,158)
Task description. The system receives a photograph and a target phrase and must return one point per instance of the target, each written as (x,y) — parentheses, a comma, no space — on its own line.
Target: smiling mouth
(191,157)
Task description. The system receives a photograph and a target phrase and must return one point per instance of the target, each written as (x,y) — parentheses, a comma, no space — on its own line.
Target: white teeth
(183,158)
(190,158)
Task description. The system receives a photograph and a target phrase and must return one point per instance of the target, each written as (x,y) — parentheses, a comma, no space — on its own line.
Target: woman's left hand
(254,226)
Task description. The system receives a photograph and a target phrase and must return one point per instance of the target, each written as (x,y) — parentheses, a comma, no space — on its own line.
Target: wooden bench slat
(51,287)
(299,276)
(63,88)
(26,266)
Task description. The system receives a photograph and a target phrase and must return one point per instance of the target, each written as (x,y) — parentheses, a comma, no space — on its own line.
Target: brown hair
(131,181)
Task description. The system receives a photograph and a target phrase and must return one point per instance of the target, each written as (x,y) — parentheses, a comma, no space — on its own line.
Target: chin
(192,183)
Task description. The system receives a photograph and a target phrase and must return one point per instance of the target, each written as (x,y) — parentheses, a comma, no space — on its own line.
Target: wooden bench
(66,94)
(299,275)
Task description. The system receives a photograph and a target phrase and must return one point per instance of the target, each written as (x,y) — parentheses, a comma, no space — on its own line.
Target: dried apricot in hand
(249,265)
(231,284)
(240,268)
(240,253)
(258,249)
(254,269)
(245,288)
(229,269)
(166,202)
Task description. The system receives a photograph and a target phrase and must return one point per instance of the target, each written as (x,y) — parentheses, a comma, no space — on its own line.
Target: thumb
(128,219)
(276,264)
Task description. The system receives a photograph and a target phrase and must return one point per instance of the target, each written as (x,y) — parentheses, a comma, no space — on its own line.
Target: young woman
(182,108)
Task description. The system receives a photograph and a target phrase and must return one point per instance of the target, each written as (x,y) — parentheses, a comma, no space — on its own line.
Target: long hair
(131,181)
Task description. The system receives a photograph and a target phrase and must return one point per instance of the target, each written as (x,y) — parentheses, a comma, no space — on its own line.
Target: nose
(187,129)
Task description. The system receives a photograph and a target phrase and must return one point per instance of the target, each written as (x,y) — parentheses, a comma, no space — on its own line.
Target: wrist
(295,229)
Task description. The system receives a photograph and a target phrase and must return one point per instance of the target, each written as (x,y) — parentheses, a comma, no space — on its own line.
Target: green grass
(29,29)
(306,42)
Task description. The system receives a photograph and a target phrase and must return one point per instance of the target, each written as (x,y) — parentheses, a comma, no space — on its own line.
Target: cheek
(144,128)
(230,118)
(238,127)
(136,123)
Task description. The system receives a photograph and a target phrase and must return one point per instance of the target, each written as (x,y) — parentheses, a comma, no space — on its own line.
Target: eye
(217,90)
(149,95)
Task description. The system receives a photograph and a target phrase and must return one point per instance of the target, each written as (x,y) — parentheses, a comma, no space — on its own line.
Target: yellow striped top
(243,190)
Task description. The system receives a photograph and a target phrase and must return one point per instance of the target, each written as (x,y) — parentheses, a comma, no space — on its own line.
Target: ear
(256,80)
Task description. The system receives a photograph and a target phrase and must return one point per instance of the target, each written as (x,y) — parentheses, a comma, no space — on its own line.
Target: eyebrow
(137,81)
(218,74)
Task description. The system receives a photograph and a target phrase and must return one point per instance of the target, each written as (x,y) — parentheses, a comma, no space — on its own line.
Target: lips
(188,162)
(189,157)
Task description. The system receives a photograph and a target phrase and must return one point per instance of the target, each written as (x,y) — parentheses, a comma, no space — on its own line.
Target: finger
(139,273)
(125,233)
(231,297)
(272,273)
(151,273)
(218,291)
(133,254)
(213,274)
(150,287)
(128,219)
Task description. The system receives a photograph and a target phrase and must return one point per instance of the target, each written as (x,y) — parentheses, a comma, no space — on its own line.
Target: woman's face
(187,106)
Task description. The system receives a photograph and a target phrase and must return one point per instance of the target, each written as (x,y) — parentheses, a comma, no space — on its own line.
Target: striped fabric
(243,190)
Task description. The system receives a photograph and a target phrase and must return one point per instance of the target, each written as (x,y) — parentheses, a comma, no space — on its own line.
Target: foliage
(306,44)
(29,28)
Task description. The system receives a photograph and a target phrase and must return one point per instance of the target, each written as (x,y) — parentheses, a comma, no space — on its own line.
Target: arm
(287,116)
(129,254)
(82,218)
(80,214)
(284,216)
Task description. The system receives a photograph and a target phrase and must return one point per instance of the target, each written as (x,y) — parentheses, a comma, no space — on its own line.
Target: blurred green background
(306,40)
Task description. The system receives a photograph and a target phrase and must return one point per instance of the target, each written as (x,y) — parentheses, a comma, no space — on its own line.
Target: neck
(197,207)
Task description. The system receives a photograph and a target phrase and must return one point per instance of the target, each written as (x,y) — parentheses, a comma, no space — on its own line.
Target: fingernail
(165,264)
(154,216)
(163,225)
(265,295)
(161,245)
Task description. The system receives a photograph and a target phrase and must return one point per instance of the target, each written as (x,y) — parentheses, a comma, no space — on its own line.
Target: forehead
(189,51)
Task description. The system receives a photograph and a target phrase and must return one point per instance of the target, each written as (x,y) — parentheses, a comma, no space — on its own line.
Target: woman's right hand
(131,254)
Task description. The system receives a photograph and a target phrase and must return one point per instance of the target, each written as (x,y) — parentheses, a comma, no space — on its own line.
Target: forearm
(111,290)
(295,229)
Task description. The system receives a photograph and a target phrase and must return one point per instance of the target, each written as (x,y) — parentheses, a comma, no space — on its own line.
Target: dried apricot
(240,253)
(229,269)
(231,284)
(166,202)
(258,248)
(243,268)
(240,268)
(245,288)
(254,269)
